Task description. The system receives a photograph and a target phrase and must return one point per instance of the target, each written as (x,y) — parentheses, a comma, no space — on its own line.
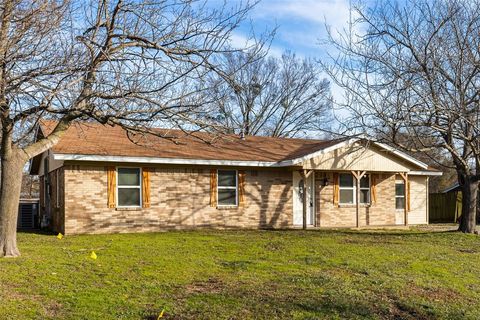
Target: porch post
(405,205)
(358,176)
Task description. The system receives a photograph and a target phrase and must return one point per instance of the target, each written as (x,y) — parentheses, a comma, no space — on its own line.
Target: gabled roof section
(85,141)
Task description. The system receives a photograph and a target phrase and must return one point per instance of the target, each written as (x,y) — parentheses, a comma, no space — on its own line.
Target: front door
(298,199)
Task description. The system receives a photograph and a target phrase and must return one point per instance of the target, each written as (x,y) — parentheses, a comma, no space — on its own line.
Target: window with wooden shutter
(213,188)
(241,188)
(146,187)
(111,186)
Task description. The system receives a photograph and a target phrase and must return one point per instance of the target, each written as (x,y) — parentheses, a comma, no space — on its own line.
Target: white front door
(298,199)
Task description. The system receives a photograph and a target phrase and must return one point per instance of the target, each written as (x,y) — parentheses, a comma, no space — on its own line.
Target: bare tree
(128,63)
(261,95)
(30,186)
(413,69)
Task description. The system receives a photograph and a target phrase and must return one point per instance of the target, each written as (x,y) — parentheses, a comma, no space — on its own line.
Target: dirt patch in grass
(468,250)
(401,307)
(433,294)
(274,246)
(165,316)
(210,286)
(399,310)
(52,310)
(236,265)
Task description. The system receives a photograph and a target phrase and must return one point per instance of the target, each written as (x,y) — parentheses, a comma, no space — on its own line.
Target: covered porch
(360,184)
(352,198)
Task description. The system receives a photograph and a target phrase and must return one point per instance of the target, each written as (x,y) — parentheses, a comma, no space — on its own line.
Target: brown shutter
(111,186)
(336,190)
(213,188)
(146,187)
(374,188)
(241,188)
(408,195)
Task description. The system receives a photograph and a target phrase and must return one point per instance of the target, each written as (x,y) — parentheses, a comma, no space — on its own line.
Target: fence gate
(445,207)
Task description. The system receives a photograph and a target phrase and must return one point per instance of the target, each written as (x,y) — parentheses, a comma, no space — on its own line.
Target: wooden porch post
(405,205)
(305,174)
(358,176)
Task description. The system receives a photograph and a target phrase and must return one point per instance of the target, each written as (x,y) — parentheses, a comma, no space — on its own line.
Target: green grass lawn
(244,275)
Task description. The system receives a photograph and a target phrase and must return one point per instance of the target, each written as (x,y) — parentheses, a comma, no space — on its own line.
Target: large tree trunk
(469,205)
(12,162)
(477,171)
(11,182)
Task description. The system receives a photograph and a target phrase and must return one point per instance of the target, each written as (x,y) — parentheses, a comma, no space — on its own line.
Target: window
(128,187)
(365,189)
(348,189)
(227,187)
(399,194)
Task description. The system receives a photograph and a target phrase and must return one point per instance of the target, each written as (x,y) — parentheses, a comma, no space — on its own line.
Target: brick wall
(180,199)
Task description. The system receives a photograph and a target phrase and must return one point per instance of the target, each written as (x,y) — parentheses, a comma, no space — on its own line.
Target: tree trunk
(477,171)
(10,186)
(469,205)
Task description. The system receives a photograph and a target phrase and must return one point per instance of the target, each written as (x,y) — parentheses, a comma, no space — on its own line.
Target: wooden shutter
(241,188)
(374,188)
(408,195)
(213,188)
(146,187)
(111,186)
(336,189)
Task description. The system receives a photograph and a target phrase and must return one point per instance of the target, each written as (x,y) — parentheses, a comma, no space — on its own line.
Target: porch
(355,198)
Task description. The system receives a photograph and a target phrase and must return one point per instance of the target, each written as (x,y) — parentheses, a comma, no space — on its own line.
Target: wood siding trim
(213,188)
(111,186)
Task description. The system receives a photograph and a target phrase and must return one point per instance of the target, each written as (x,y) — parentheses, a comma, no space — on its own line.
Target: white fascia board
(323,151)
(396,152)
(80,157)
(402,155)
(425,173)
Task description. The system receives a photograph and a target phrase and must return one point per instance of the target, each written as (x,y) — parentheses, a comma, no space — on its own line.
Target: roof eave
(152,160)
(425,173)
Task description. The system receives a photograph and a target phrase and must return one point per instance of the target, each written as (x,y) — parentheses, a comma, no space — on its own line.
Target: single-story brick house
(99,180)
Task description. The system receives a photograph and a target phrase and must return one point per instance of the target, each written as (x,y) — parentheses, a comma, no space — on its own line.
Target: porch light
(325,181)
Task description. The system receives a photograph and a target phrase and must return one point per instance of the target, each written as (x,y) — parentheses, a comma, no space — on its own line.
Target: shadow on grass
(36,231)
(366,232)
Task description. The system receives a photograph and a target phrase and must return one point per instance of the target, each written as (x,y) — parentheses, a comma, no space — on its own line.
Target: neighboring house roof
(454,187)
(96,142)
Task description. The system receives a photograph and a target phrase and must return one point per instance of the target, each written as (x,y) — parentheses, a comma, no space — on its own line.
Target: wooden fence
(445,207)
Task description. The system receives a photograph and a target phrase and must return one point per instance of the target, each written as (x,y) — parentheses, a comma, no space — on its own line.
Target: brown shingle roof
(96,139)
